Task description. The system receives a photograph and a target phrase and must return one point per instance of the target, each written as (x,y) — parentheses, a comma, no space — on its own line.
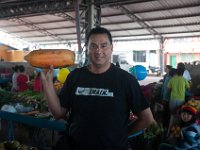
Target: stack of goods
(23,100)
(194,103)
(15,145)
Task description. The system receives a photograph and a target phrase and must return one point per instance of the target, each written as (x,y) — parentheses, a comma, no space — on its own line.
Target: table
(54,125)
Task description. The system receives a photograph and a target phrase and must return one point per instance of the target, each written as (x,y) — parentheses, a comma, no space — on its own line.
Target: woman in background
(22,79)
(37,87)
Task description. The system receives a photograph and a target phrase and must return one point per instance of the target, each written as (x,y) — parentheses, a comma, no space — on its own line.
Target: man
(99,98)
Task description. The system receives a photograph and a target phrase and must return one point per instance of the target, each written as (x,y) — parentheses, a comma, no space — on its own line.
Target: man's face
(99,49)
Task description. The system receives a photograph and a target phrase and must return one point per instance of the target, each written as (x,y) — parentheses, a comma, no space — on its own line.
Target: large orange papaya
(44,58)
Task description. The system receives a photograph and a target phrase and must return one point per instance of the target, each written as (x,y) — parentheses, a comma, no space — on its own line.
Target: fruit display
(44,58)
(15,145)
(194,103)
(175,131)
(58,85)
(28,98)
(153,131)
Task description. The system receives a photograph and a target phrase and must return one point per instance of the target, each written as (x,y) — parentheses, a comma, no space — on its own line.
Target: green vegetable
(153,131)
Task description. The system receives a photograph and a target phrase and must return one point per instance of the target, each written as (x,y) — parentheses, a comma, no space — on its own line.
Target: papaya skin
(44,58)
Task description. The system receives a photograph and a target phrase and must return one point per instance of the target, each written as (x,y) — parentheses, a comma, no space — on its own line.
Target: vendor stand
(37,125)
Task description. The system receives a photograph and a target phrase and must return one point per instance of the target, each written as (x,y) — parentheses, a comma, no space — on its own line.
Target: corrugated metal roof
(126,19)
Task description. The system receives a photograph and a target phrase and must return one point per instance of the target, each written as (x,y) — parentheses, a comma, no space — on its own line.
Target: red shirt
(22,80)
(37,85)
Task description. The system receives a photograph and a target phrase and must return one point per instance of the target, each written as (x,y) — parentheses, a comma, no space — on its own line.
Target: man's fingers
(51,67)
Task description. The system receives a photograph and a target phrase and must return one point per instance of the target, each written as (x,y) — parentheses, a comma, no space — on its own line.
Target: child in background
(189,131)
(177,85)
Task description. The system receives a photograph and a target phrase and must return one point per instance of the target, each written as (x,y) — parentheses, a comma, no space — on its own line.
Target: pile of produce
(15,145)
(6,97)
(28,97)
(175,131)
(194,103)
(153,131)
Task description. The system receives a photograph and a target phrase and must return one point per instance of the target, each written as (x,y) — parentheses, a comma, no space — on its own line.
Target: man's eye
(104,46)
(93,46)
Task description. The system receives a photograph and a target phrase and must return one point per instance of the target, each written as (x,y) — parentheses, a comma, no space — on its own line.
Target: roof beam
(46,41)
(120,2)
(66,16)
(138,20)
(124,29)
(37,23)
(115,38)
(34,27)
(103,24)
(47,29)
(33,7)
(173,17)
(182,32)
(161,18)
(38,36)
(168,8)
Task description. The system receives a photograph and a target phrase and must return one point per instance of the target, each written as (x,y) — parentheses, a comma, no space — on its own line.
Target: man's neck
(98,69)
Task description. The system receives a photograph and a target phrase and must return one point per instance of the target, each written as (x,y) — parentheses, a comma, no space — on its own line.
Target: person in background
(189,133)
(187,76)
(177,86)
(99,98)
(22,79)
(14,78)
(167,69)
(165,95)
(37,86)
(186,73)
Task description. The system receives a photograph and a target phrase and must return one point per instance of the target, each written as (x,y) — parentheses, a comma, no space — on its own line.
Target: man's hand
(47,75)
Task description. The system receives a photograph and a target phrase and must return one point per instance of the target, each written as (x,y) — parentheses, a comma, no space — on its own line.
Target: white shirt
(186,75)
(14,80)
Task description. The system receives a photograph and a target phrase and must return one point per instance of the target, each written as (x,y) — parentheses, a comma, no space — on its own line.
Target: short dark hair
(99,30)
(168,67)
(21,68)
(172,72)
(181,65)
(15,68)
(180,71)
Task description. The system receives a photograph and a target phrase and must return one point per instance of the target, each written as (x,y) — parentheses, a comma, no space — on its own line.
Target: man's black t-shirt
(100,105)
